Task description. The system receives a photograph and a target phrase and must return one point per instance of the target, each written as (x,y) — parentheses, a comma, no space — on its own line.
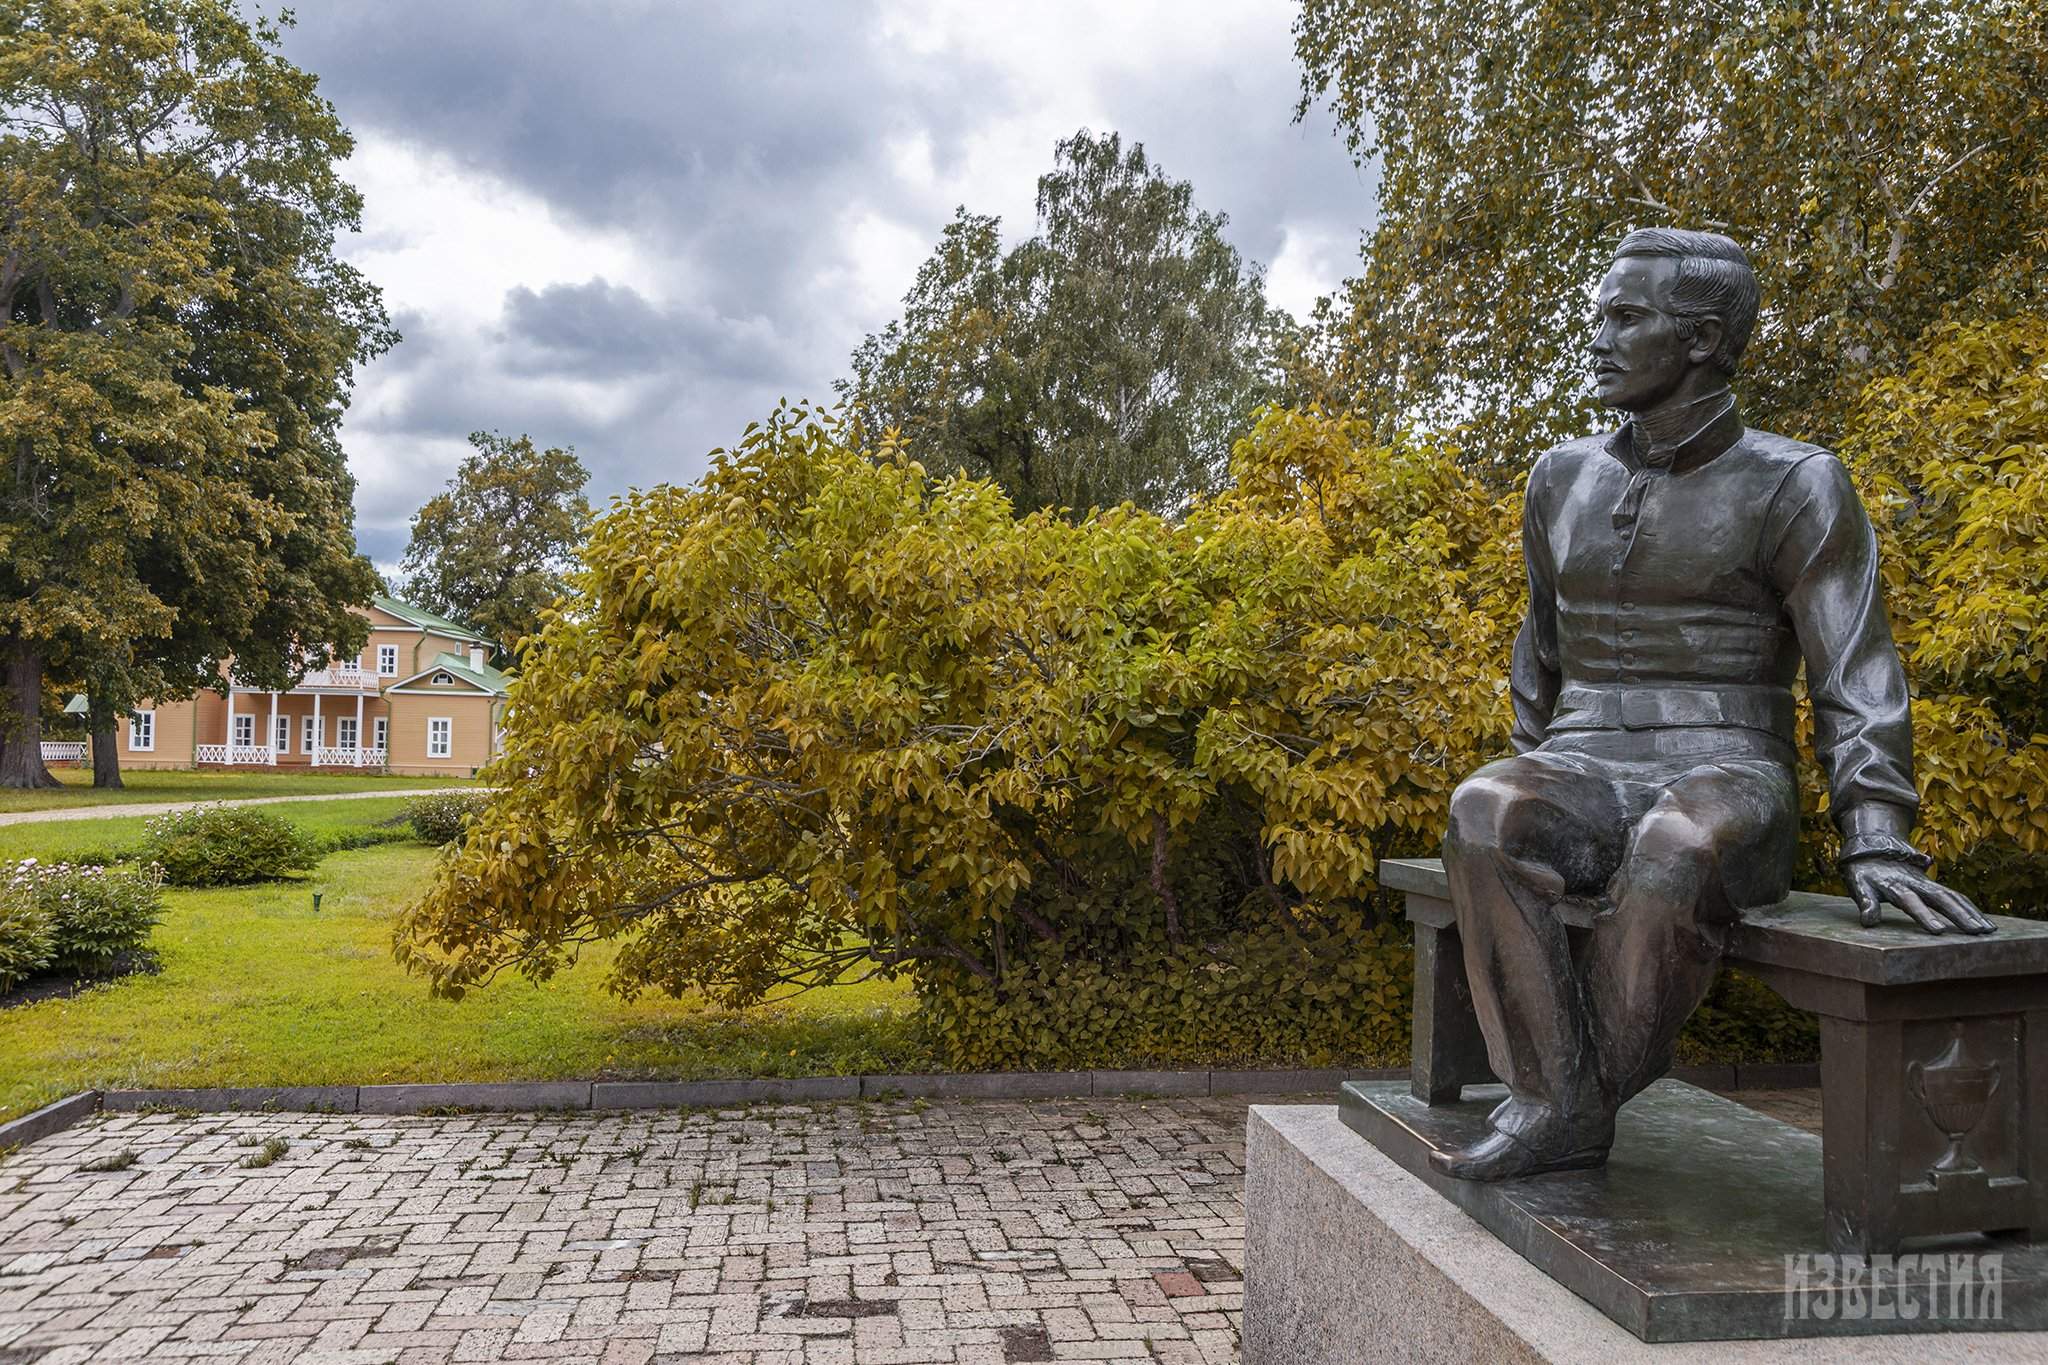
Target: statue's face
(1639,359)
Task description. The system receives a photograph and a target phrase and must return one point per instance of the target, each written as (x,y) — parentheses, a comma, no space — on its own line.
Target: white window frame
(142,732)
(387,661)
(240,737)
(345,732)
(281,738)
(380,730)
(442,680)
(310,734)
(446,747)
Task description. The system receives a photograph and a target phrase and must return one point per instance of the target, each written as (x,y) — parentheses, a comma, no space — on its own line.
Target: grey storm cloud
(599,328)
(740,147)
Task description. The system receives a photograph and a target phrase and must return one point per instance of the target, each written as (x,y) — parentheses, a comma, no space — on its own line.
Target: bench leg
(2033,1120)
(1861,1084)
(1448,1051)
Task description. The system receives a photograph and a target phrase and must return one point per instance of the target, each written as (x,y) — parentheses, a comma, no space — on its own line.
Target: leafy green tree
(177,345)
(1114,356)
(1882,160)
(493,549)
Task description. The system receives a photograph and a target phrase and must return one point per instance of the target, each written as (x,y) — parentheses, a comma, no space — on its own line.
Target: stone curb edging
(608,1095)
(51,1118)
(1010,1085)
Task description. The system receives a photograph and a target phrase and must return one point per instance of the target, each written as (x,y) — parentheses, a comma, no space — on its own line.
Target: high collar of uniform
(1680,439)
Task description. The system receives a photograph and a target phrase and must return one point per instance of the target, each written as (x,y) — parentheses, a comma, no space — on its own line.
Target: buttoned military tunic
(1685,594)
(1673,595)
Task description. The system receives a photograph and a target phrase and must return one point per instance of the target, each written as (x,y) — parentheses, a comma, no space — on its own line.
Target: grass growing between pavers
(256,988)
(178,785)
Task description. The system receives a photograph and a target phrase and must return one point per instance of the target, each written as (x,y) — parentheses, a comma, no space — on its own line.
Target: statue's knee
(1480,809)
(1671,833)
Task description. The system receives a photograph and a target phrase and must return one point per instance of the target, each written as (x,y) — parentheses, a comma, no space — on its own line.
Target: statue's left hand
(1936,908)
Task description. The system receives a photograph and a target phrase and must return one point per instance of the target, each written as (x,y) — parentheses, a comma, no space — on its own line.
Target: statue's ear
(1706,340)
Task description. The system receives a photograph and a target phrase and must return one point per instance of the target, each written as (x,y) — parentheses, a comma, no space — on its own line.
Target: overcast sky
(631,226)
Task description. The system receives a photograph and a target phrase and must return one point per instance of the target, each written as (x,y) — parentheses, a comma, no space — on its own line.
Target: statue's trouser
(1672,833)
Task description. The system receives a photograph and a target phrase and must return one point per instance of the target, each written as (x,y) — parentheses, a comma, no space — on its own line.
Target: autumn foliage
(1127,779)
(820,716)
(1113,789)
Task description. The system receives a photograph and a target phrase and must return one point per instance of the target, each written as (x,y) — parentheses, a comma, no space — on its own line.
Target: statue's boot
(1498,1156)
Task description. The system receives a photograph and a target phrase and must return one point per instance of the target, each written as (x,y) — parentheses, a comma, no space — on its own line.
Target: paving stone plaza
(857,1234)
(886,1233)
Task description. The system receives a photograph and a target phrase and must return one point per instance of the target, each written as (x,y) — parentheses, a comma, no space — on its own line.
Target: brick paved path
(872,1234)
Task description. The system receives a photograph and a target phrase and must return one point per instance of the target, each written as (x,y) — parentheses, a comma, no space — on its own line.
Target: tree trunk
(104,721)
(21,718)
(1162,884)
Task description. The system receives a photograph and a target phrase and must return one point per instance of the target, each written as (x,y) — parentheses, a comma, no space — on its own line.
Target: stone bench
(1934,1054)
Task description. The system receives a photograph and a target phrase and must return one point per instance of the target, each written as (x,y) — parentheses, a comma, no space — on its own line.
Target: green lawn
(178,785)
(100,840)
(258,989)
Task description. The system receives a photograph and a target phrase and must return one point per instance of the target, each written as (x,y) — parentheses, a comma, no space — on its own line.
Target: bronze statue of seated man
(1680,571)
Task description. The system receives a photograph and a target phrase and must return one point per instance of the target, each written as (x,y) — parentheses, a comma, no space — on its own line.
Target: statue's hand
(1876,881)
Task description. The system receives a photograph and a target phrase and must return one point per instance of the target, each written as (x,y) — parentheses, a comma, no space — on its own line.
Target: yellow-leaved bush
(1109,790)
(1112,791)
(1952,458)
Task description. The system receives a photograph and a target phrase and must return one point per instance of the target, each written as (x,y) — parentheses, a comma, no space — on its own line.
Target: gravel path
(33,817)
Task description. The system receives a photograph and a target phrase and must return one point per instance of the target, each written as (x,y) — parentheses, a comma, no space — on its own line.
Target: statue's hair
(1714,280)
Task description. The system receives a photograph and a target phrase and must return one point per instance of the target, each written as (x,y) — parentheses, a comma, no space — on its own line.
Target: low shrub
(1256,979)
(441,818)
(1311,995)
(73,918)
(25,938)
(341,841)
(1743,1020)
(227,846)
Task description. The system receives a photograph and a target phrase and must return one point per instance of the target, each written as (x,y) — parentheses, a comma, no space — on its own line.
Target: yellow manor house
(421,700)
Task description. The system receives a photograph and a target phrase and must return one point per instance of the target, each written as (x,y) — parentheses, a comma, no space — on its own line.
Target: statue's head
(1676,308)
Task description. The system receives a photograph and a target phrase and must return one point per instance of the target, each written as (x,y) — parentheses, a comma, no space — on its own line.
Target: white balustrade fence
(341,676)
(327,756)
(258,755)
(63,751)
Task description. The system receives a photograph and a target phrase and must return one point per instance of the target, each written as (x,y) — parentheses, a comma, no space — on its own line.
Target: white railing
(345,675)
(327,756)
(63,751)
(258,755)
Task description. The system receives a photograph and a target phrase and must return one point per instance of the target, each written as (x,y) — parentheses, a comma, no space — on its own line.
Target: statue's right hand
(1875,882)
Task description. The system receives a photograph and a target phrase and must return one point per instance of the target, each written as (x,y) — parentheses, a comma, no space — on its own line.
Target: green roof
(488,678)
(426,620)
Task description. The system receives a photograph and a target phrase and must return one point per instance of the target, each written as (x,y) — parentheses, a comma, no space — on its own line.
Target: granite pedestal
(1349,1259)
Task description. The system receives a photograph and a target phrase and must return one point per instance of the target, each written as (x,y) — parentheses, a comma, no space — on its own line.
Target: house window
(381,729)
(443,680)
(311,734)
(245,731)
(345,732)
(142,732)
(440,737)
(387,661)
(282,739)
